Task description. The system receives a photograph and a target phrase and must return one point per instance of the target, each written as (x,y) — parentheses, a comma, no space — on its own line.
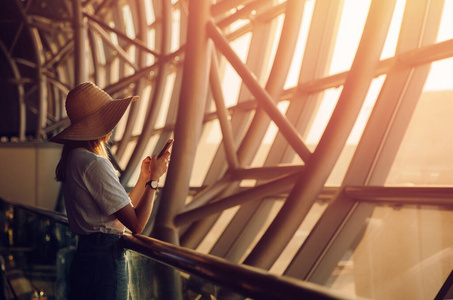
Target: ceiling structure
(302,128)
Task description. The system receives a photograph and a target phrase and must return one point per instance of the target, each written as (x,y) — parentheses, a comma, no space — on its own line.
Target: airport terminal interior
(313,139)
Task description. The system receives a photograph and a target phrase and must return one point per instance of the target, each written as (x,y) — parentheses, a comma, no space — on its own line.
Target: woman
(98,207)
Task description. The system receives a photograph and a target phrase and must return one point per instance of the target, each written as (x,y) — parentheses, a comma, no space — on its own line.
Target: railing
(231,281)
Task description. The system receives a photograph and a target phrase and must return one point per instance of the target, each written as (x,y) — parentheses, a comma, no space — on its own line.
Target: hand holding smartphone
(166,147)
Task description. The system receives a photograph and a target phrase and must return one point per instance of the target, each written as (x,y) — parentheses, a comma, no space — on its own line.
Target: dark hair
(96,146)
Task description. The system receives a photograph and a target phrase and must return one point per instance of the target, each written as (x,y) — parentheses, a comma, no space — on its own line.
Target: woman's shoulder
(84,161)
(83,157)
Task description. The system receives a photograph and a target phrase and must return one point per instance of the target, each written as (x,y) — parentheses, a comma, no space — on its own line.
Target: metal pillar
(188,124)
(187,132)
(80,72)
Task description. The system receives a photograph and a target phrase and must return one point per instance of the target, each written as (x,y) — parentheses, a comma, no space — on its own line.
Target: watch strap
(153,184)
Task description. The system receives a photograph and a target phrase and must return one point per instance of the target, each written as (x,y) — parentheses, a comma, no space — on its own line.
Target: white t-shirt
(92,194)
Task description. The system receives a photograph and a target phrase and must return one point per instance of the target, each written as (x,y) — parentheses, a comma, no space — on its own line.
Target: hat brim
(96,125)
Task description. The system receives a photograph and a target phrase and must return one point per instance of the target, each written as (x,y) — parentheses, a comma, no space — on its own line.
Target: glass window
(403,252)
(299,237)
(349,33)
(425,154)
(446,25)
(339,171)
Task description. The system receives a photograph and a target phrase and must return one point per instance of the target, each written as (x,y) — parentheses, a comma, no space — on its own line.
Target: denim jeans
(99,268)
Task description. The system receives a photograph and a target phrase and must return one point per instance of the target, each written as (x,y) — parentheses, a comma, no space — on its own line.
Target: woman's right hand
(159,166)
(135,217)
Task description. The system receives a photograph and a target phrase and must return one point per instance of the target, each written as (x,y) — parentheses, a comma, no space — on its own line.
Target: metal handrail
(56,216)
(401,195)
(245,280)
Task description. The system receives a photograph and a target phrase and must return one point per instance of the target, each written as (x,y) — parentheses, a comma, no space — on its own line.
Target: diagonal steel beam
(262,96)
(121,53)
(136,42)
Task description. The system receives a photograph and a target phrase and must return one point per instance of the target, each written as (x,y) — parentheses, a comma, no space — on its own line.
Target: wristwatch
(154,184)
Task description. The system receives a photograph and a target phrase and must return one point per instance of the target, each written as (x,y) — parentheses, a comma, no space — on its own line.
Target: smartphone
(166,147)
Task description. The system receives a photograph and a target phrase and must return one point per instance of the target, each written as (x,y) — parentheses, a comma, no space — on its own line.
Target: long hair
(96,146)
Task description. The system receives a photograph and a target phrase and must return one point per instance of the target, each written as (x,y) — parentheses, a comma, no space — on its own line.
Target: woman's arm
(139,188)
(135,218)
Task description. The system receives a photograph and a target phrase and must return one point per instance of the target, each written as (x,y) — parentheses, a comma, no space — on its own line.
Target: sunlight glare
(349,33)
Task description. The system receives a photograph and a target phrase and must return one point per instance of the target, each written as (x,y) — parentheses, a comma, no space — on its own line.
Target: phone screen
(166,147)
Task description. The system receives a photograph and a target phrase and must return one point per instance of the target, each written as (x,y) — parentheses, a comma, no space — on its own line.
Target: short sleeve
(104,186)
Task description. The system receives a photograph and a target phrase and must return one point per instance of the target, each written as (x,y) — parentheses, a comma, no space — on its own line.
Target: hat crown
(92,112)
(84,100)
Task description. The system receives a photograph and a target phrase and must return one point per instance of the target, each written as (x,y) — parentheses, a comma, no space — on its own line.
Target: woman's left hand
(145,169)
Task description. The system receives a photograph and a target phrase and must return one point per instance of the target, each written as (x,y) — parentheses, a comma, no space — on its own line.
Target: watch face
(154,184)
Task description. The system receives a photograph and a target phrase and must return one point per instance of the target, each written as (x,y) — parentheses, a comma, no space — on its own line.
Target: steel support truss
(175,56)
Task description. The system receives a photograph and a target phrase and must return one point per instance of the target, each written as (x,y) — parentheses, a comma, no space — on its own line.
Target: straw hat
(92,112)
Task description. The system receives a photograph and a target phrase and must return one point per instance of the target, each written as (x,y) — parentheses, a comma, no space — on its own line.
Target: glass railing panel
(213,277)
(35,253)
(150,279)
